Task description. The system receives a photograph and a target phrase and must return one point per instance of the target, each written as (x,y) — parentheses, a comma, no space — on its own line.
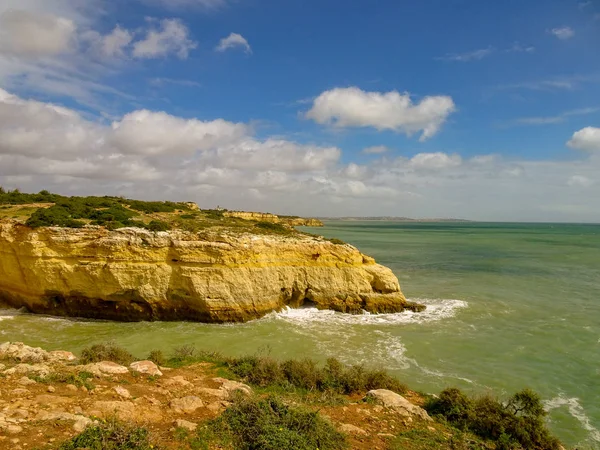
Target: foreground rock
(18,351)
(132,274)
(390,399)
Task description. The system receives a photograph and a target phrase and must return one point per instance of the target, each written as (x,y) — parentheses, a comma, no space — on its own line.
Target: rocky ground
(47,398)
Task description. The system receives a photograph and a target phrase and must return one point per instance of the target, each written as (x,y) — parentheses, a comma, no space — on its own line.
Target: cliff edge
(132,274)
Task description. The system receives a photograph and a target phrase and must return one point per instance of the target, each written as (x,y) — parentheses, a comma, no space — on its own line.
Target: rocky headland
(133,274)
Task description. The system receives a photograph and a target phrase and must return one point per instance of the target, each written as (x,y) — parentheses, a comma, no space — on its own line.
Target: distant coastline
(392,219)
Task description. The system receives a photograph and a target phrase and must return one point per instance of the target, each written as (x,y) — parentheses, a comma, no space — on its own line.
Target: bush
(268,424)
(111,435)
(273,227)
(518,423)
(157,357)
(157,225)
(106,352)
(153,207)
(306,374)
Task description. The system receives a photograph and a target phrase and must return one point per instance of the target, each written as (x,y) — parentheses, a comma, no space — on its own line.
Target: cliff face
(132,274)
(266,217)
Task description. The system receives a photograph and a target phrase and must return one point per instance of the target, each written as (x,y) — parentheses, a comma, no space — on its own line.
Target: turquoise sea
(509,306)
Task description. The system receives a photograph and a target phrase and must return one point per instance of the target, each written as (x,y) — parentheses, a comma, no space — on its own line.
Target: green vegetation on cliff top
(47,209)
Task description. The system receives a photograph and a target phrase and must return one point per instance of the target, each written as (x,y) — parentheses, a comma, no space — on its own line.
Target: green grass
(110,435)
(80,379)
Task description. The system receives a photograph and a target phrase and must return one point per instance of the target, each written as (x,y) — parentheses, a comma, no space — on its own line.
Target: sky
(475,109)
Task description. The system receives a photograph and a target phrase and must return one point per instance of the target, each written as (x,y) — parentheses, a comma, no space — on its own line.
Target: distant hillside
(394,219)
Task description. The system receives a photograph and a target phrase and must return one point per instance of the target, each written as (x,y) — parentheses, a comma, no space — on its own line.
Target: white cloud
(579,181)
(171,37)
(474,55)
(435,161)
(518,48)
(112,45)
(554,119)
(563,33)
(232,41)
(34,34)
(158,133)
(155,155)
(587,139)
(352,107)
(375,150)
(181,4)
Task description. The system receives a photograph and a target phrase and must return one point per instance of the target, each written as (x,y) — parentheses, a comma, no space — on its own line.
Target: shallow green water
(509,306)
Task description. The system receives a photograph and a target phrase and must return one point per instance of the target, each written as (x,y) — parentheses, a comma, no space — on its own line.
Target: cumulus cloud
(375,150)
(563,33)
(34,34)
(158,133)
(52,47)
(155,155)
(234,40)
(353,107)
(172,36)
(587,139)
(435,161)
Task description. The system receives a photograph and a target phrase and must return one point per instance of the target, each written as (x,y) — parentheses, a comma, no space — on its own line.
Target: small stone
(177,381)
(83,389)
(351,429)
(60,355)
(187,404)
(146,367)
(105,367)
(190,426)
(396,402)
(51,389)
(431,429)
(12,429)
(25,381)
(122,392)
(19,392)
(71,387)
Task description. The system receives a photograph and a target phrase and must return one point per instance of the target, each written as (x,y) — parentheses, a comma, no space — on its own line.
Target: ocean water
(508,306)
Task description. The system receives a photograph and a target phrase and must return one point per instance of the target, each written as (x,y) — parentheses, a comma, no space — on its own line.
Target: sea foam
(577,411)
(436,309)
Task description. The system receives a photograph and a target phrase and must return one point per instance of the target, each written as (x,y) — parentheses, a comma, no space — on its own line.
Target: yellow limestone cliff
(132,274)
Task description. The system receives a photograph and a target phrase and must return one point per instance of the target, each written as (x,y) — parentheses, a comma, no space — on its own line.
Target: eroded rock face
(132,274)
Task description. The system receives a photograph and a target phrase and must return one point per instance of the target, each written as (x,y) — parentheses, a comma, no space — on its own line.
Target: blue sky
(477,109)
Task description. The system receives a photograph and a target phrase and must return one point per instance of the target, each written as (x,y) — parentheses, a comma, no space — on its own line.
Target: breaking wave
(436,309)
(577,411)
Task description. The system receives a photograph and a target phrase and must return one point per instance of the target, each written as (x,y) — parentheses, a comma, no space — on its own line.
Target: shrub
(158,225)
(518,423)
(106,352)
(157,357)
(214,214)
(111,435)
(268,424)
(152,207)
(273,227)
(306,374)
(303,373)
